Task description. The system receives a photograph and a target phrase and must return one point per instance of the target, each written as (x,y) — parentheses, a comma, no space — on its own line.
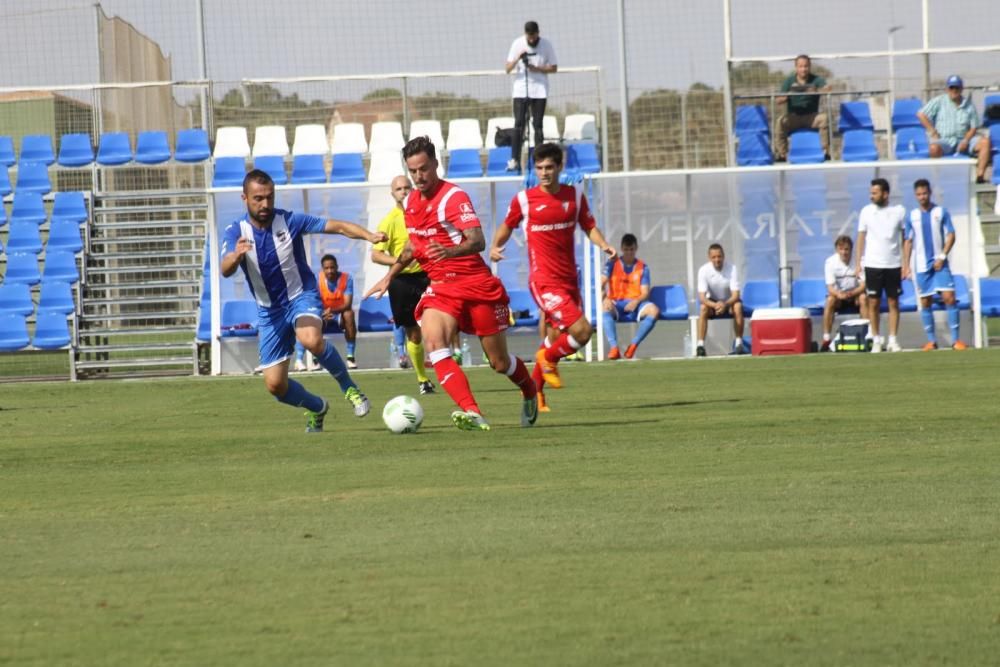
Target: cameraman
(532,59)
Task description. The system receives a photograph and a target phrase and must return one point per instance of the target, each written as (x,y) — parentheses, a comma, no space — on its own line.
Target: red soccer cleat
(630,351)
(613,353)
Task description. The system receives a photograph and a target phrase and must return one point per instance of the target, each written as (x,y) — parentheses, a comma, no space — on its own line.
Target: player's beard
(262,217)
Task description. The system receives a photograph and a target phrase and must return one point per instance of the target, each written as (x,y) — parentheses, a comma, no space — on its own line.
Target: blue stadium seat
(583,157)
(28,206)
(464,163)
(7,157)
(671,300)
(760,294)
(904,113)
(37,148)
(991,100)
(809,293)
(56,295)
(347,168)
(753,149)
(33,177)
(24,237)
(16,298)
(989,296)
(273,166)
(911,144)
(192,146)
(22,268)
(805,147)
(523,308)
(151,147)
(239,318)
(855,116)
(859,146)
(229,172)
(13,332)
(60,265)
(752,119)
(69,206)
(5,187)
(204,332)
(308,169)
(114,148)
(995,149)
(51,330)
(375,315)
(496,161)
(64,234)
(75,150)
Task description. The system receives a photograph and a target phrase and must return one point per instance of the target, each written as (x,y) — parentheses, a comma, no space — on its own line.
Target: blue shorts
(621,316)
(276,327)
(931,282)
(950,146)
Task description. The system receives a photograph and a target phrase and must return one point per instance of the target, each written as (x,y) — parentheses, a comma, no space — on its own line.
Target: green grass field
(827,509)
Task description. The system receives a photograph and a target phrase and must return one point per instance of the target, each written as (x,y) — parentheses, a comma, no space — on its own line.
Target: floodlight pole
(727,92)
(623,86)
(925,17)
(202,63)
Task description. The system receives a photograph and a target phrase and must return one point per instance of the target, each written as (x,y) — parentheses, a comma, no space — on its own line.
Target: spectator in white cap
(952,122)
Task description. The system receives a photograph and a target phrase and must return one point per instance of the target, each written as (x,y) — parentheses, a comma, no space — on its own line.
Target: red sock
(560,348)
(522,378)
(536,375)
(454,381)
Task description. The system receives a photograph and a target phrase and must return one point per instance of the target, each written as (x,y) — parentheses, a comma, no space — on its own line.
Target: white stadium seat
(386,164)
(580,127)
(270,140)
(231,141)
(310,140)
(386,135)
(464,133)
(349,138)
(431,129)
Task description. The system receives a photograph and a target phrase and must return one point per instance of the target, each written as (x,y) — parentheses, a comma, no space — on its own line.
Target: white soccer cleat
(299,365)
(893,346)
(876,346)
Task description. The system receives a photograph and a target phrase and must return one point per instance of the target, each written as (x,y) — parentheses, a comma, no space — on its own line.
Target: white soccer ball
(403,414)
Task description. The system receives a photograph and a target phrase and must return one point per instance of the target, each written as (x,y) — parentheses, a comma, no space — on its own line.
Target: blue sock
(298,397)
(927,317)
(645,326)
(953,321)
(300,351)
(399,338)
(609,330)
(350,347)
(334,365)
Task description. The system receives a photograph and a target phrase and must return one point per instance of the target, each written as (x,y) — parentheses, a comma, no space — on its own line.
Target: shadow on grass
(681,404)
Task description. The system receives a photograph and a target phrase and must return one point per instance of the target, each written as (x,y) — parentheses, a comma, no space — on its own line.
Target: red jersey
(442,218)
(549,223)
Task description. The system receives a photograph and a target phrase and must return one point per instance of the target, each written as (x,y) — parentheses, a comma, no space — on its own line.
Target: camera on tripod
(525,56)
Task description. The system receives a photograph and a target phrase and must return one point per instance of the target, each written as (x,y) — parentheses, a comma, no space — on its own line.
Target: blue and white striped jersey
(276,269)
(927,230)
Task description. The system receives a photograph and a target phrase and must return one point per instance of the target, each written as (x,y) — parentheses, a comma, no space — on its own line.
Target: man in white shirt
(844,288)
(719,295)
(880,238)
(532,58)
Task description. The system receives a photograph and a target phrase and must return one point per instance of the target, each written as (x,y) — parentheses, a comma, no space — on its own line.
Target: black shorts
(888,280)
(405,291)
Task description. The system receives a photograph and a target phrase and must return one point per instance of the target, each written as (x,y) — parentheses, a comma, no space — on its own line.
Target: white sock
(892,339)
(701,343)
(826,337)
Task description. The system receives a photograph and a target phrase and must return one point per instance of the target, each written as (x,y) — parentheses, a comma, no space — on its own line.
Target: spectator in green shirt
(952,123)
(803,110)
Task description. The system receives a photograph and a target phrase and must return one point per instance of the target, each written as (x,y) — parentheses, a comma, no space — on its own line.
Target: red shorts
(481,306)
(562,304)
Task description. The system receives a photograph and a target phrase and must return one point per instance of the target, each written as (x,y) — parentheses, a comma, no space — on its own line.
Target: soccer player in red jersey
(551,212)
(447,239)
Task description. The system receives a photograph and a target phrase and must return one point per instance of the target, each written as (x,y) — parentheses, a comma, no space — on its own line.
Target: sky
(669,43)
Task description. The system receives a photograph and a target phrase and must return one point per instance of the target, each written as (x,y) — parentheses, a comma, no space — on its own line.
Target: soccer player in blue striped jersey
(267,244)
(929,234)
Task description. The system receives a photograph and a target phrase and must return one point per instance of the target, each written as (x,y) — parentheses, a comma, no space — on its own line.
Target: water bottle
(688,348)
(466,356)
(393,356)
